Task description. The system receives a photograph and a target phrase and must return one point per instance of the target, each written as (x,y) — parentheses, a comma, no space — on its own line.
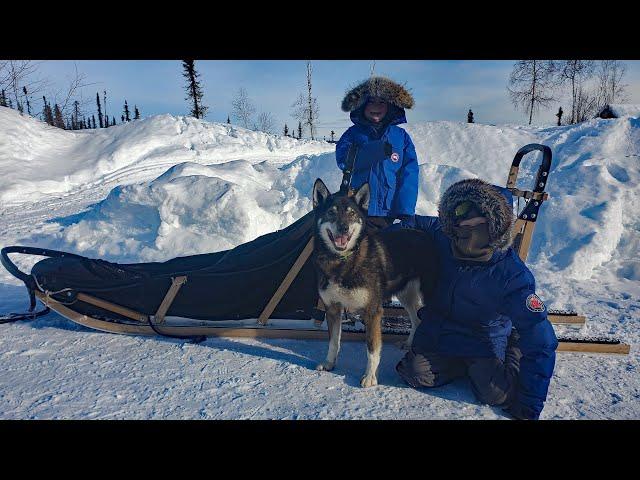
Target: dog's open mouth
(339,242)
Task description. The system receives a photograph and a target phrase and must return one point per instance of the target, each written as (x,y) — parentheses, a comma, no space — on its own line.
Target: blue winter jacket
(393,178)
(474,307)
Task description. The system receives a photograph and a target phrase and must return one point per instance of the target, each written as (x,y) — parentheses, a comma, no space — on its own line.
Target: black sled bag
(229,285)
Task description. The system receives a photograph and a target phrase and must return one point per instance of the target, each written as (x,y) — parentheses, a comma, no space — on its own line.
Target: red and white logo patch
(395,157)
(534,303)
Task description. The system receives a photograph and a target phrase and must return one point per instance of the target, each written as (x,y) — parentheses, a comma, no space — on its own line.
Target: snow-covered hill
(36,159)
(167,186)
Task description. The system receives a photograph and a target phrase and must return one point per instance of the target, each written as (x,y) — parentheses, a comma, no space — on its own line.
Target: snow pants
(493,380)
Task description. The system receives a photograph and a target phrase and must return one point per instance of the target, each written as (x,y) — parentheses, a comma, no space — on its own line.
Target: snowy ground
(170,186)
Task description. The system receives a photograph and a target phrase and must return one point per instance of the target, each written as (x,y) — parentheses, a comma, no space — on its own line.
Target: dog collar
(344,257)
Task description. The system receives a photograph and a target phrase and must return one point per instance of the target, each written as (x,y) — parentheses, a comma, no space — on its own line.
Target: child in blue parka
(483,320)
(386,155)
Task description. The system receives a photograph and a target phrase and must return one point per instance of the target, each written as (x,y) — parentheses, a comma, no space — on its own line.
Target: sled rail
(203,328)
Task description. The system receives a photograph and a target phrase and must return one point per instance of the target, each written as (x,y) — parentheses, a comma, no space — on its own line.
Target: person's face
(375,110)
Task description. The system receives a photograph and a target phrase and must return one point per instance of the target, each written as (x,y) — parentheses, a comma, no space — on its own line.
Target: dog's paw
(368,381)
(325,366)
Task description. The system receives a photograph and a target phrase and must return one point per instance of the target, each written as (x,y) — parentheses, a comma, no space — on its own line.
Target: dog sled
(265,288)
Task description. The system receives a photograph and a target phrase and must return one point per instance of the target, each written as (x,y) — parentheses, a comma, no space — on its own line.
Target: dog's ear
(362,196)
(320,193)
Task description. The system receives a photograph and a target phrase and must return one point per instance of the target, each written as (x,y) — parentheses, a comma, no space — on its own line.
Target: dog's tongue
(341,240)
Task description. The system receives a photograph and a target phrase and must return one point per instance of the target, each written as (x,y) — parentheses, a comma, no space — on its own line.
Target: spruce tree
(3,99)
(228,119)
(113,121)
(299,130)
(137,113)
(58,121)
(47,112)
(559,115)
(75,117)
(470,116)
(99,109)
(286,130)
(122,118)
(126,112)
(332,135)
(93,117)
(193,89)
(26,98)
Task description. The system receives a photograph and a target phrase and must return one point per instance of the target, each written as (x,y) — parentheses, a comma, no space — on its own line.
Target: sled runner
(223,293)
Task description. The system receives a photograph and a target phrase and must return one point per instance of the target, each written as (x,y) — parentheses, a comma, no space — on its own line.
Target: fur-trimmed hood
(382,87)
(490,200)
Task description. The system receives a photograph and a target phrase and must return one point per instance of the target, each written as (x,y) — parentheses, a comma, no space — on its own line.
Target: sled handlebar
(543,171)
(28,280)
(15,271)
(348,170)
(538,195)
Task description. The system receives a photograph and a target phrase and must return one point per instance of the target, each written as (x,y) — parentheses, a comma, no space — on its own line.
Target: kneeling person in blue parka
(484,319)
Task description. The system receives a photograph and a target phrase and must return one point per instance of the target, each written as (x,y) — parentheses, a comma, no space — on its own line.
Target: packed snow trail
(169,186)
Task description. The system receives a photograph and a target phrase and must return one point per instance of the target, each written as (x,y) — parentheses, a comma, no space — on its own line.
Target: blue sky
(443,90)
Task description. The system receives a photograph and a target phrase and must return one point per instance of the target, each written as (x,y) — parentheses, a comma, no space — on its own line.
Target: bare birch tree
(15,75)
(575,73)
(610,89)
(586,103)
(242,109)
(265,123)
(531,85)
(305,108)
(75,83)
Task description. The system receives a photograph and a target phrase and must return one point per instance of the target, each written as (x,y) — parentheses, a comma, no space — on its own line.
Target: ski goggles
(463,208)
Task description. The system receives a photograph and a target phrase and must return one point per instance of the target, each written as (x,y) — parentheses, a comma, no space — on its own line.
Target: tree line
(22,88)
(244,112)
(589,85)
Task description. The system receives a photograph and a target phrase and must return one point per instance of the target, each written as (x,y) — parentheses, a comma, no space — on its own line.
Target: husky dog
(358,270)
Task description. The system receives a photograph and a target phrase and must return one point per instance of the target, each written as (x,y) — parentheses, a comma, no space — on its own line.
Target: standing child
(386,156)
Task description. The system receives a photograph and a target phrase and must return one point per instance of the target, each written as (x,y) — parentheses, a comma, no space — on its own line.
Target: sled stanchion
(525,223)
(176,283)
(523,234)
(286,283)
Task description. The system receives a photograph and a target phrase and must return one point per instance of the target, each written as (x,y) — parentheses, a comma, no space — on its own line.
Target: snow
(169,186)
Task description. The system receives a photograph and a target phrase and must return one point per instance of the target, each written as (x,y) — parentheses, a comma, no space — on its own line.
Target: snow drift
(36,159)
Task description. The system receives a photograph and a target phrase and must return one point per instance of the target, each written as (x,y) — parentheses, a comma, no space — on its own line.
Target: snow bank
(37,160)
(191,209)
